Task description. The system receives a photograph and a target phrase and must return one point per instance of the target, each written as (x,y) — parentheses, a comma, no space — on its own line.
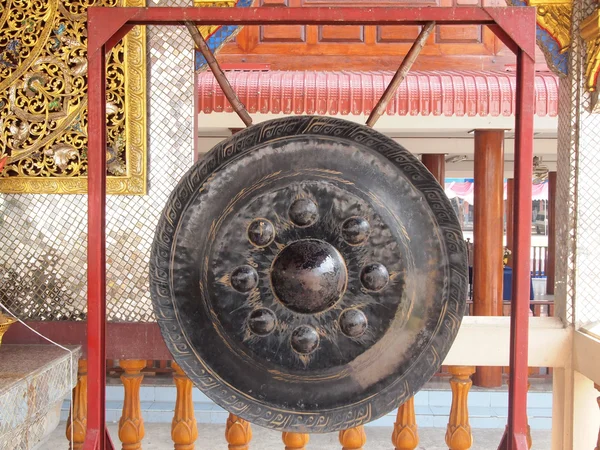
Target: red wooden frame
(126,340)
(515,26)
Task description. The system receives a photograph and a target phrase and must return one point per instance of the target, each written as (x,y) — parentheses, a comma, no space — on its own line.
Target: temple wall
(43,253)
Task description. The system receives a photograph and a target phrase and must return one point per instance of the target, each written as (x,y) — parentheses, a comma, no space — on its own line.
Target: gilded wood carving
(590,32)
(554,16)
(43,100)
(217,35)
(553,32)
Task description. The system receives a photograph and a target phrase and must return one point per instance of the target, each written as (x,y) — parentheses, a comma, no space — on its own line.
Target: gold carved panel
(554,16)
(553,33)
(43,100)
(590,32)
(209,30)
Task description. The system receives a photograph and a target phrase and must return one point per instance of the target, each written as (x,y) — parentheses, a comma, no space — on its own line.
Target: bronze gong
(309,274)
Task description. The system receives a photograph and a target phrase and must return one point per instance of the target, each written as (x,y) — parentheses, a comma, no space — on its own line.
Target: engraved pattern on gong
(43,99)
(288,288)
(243,405)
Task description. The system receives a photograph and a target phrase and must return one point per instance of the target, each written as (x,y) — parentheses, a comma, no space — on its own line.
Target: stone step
(487,409)
(33,381)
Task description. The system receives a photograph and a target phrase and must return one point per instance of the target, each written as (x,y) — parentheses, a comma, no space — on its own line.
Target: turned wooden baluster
(238,433)
(131,424)
(78,410)
(597,386)
(405,436)
(353,438)
(184,429)
(458,434)
(295,441)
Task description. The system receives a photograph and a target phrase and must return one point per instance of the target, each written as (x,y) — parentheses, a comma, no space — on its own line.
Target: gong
(309,274)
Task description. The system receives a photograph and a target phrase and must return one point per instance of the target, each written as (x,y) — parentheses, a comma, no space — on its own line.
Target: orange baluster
(238,433)
(597,386)
(131,424)
(353,438)
(458,434)
(78,409)
(184,429)
(295,441)
(405,436)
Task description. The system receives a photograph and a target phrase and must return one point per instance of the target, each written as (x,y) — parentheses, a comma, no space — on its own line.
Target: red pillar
(551,216)
(510,217)
(488,231)
(436,164)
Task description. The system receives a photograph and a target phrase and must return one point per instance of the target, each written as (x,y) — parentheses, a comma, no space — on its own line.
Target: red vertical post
(105,29)
(97,436)
(510,222)
(487,236)
(195,113)
(96,314)
(551,217)
(516,438)
(436,164)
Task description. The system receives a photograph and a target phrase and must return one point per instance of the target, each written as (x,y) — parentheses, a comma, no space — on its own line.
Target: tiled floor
(158,437)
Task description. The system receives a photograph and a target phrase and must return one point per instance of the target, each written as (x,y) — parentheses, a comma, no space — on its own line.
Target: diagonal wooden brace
(230,94)
(401,73)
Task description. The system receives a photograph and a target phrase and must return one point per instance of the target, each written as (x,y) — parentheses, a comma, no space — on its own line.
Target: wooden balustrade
(458,434)
(295,441)
(541,308)
(539,261)
(238,433)
(184,429)
(131,424)
(353,438)
(538,264)
(405,435)
(78,413)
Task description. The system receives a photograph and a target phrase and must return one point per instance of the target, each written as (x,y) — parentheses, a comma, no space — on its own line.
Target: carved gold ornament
(5,323)
(553,31)
(554,16)
(218,35)
(590,32)
(43,100)
(209,30)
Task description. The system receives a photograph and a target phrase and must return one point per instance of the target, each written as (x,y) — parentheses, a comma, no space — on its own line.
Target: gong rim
(190,358)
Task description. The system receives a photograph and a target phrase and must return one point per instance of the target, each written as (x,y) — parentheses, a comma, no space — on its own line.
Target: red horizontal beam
(313,16)
(134,340)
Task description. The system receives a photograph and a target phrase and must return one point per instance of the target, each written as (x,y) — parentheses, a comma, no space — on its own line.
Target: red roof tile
(421,93)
